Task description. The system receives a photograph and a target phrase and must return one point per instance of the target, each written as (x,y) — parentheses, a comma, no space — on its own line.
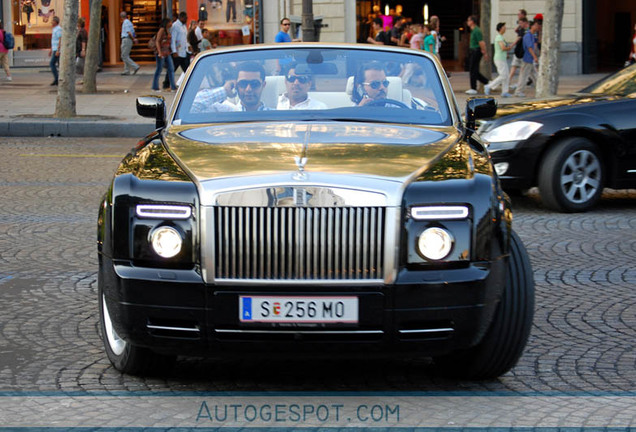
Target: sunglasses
(299,78)
(376,84)
(255,84)
(286,24)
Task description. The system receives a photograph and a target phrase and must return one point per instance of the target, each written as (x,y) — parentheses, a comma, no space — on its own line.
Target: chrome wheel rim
(580,176)
(117,344)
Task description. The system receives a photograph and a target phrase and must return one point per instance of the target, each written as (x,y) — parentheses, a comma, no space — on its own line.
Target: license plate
(298,309)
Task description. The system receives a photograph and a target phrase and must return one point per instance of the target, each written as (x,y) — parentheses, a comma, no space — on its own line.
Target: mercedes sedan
(571,147)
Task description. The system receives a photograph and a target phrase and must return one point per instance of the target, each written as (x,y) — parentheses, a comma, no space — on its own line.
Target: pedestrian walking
(205,43)
(283,35)
(477,51)
(501,62)
(430,41)
(438,36)
(193,39)
(128,38)
(80,45)
(529,59)
(381,37)
(522,28)
(163,55)
(4,54)
(54,52)
(179,45)
(417,40)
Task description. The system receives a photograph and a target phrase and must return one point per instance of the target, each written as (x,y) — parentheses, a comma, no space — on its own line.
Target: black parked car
(570,147)
(302,200)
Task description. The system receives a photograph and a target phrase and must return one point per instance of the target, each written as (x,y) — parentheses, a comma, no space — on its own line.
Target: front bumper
(424,312)
(522,158)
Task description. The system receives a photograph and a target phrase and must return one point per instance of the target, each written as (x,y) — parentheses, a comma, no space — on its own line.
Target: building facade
(595,34)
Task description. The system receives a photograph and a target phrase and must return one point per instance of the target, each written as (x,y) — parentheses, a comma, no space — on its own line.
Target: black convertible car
(570,147)
(302,200)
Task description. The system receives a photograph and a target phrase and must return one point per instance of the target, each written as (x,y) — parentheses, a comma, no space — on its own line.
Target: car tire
(502,345)
(571,176)
(126,357)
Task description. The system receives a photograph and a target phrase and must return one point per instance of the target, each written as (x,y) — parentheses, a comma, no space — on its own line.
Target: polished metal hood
(356,156)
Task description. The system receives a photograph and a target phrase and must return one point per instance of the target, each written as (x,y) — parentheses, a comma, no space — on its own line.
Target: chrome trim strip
(156,211)
(185,329)
(331,332)
(207,230)
(391,244)
(439,330)
(439,212)
(271,282)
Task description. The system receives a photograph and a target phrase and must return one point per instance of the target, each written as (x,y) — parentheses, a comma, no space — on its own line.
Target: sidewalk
(27,103)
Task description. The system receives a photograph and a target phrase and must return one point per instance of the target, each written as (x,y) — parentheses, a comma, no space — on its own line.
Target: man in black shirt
(381,37)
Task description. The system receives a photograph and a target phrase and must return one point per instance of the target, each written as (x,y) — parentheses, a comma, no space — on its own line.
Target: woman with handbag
(163,55)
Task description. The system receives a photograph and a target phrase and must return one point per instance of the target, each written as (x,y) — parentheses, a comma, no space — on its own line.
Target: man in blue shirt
(529,58)
(283,35)
(54,52)
(128,37)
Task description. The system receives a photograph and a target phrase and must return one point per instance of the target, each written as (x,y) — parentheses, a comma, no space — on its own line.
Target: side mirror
(153,107)
(478,108)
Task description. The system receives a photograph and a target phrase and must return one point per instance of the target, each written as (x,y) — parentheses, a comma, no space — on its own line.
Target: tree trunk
(309,33)
(92,48)
(485,66)
(548,79)
(65,102)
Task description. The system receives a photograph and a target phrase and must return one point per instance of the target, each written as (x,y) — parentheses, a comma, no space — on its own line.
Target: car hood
(556,102)
(238,150)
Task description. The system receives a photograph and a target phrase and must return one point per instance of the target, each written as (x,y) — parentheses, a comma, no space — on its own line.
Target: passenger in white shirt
(296,97)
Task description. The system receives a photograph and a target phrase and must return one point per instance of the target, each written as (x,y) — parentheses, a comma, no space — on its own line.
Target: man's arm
(482,47)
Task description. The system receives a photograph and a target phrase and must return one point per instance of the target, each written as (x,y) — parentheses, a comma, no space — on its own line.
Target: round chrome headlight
(435,243)
(166,241)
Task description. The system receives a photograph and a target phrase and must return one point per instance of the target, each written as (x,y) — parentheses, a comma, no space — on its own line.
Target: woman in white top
(501,62)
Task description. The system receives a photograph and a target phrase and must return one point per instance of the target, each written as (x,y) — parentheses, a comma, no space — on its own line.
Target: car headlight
(166,241)
(435,243)
(515,131)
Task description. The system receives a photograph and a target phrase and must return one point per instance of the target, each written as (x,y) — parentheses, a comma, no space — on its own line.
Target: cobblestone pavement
(583,340)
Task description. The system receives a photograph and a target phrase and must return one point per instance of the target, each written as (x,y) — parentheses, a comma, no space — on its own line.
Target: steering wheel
(387,101)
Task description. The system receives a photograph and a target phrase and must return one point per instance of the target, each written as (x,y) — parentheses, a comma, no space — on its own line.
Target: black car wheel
(124,356)
(571,176)
(501,347)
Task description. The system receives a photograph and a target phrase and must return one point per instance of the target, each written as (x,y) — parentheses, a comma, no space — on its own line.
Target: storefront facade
(231,22)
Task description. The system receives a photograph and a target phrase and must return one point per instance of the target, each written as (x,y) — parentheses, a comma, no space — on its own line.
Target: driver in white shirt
(296,97)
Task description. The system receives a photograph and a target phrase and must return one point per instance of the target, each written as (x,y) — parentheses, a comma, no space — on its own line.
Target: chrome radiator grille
(291,243)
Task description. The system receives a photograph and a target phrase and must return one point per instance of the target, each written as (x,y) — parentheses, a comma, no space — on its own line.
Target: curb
(73,128)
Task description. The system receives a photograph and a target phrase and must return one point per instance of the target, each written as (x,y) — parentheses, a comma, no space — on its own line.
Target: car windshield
(314,83)
(622,83)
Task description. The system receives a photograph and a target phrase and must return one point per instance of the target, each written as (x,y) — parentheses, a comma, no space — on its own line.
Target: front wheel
(571,176)
(124,356)
(503,343)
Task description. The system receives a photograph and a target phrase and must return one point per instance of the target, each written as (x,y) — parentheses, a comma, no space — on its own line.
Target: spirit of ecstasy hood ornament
(301,161)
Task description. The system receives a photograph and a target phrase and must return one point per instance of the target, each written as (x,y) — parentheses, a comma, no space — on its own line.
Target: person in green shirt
(501,62)
(430,41)
(477,50)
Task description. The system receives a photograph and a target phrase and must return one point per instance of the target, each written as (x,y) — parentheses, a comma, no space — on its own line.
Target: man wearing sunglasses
(249,84)
(370,84)
(296,97)
(283,35)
